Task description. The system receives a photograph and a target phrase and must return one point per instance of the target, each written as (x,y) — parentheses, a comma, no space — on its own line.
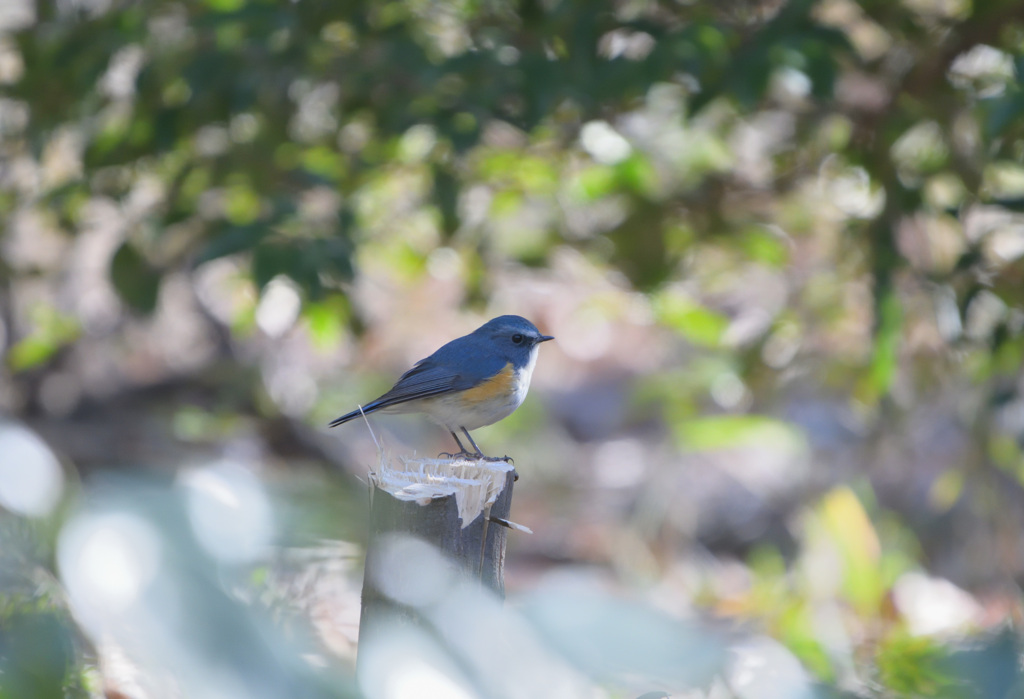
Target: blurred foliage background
(780,245)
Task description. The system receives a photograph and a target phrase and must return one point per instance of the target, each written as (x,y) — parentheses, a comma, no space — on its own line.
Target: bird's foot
(477,456)
(455,455)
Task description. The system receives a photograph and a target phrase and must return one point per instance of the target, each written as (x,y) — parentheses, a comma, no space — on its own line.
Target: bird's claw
(479,457)
(454,455)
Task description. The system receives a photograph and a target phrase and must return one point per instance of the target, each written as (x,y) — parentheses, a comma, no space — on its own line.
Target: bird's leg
(471,441)
(479,454)
(462,450)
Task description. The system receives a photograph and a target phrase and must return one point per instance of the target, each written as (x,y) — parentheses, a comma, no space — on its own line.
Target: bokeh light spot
(229,511)
(31,479)
(107,561)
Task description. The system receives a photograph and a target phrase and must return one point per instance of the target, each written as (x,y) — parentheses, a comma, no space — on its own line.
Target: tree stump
(459,507)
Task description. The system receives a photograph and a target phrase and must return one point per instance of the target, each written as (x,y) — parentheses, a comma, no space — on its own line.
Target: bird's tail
(358,412)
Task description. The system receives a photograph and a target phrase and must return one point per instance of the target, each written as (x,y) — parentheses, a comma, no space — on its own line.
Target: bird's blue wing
(422,381)
(454,367)
(457,366)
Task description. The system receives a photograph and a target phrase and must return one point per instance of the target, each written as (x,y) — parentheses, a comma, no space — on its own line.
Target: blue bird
(471,382)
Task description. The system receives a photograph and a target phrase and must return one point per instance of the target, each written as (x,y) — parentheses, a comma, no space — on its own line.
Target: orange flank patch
(499,385)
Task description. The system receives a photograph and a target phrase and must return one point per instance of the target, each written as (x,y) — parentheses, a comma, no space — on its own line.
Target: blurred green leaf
(51,331)
(136,281)
(640,246)
(595,183)
(31,352)
(274,258)
(226,5)
(324,162)
(699,325)
(241,205)
(728,431)
(917,666)
(446,198)
(765,246)
(506,203)
(36,656)
(311,263)
(637,174)
(327,321)
(999,113)
(885,359)
(232,240)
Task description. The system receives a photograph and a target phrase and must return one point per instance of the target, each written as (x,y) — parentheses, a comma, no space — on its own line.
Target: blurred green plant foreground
(775,451)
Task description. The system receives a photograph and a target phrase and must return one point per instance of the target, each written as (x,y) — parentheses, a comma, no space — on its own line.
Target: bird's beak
(545,338)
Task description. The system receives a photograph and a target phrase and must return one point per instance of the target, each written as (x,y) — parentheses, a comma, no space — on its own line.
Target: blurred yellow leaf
(946,490)
(850,529)
(1004,451)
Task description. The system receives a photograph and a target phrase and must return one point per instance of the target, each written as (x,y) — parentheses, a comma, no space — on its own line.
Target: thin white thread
(367,421)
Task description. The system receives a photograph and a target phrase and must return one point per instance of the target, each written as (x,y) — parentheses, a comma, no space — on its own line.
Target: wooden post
(458,506)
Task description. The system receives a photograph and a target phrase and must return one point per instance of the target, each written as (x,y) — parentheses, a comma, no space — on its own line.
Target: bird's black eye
(518,339)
